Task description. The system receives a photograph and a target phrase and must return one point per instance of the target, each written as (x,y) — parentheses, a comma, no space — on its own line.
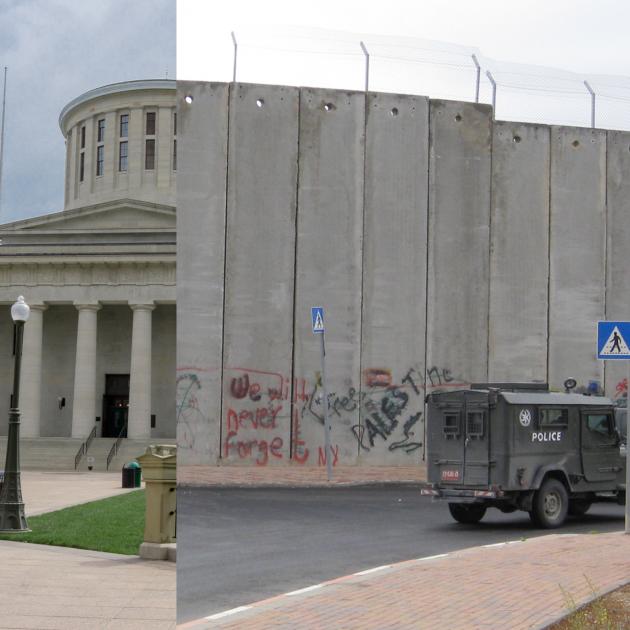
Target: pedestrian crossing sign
(612,340)
(317,318)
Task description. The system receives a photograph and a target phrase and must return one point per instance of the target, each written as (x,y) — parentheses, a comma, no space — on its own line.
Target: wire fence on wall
(316,58)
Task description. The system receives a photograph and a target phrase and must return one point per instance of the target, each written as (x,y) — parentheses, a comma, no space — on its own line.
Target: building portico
(99,347)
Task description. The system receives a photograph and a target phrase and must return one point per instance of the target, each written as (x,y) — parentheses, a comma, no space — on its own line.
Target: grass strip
(115,525)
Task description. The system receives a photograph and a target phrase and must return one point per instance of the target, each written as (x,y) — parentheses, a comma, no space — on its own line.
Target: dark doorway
(115,405)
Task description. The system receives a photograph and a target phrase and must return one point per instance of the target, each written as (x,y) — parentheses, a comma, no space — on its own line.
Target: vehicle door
(447,443)
(600,448)
(476,442)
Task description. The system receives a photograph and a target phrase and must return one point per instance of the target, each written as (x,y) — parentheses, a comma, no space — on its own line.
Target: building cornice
(115,88)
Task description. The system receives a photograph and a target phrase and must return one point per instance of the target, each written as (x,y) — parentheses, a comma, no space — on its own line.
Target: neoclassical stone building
(99,276)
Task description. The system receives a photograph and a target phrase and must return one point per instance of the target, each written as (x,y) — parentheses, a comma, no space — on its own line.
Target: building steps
(99,449)
(44,453)
(130,448)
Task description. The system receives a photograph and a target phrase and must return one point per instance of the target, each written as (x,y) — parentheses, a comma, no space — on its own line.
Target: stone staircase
(58,453)
(44,453)
(130,448)
(99,449)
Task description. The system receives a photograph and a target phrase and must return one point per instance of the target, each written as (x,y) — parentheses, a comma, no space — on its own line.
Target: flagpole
(4,100)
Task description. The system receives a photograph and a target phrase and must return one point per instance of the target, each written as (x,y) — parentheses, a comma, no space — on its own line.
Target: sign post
(317,320)
(612,344)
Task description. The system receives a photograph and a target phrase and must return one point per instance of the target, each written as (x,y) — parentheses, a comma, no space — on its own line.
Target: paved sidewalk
(49,491)
(519,585)
(56,588)
(297,476)
(46,587)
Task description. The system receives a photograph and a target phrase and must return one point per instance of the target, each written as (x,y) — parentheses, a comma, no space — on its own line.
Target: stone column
(84,400)
(31,373)
(140,373)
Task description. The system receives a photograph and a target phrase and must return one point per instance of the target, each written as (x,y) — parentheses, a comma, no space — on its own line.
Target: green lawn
(115,525)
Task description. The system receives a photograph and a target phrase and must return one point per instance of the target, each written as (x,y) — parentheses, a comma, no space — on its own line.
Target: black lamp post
(12,517)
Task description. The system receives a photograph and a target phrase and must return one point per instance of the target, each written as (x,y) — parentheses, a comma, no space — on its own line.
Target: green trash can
(131,475)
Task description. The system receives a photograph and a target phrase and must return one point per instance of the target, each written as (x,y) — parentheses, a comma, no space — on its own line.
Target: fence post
(474,58)
(235,53)
(494,94)
(367,66)
(592,93)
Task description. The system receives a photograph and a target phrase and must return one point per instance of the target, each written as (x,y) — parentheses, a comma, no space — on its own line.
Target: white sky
(578,36)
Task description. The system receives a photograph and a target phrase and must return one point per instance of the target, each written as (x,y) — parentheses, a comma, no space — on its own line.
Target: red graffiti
(262,417)
(260,449)
(240,387)
(322,455)
(377,377)
(622,388)
(300,393)
(300,452)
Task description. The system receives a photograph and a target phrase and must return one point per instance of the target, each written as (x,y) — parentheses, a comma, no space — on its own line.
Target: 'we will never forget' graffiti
(264,414)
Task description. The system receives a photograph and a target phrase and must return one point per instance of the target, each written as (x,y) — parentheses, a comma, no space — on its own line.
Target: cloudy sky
(55,50)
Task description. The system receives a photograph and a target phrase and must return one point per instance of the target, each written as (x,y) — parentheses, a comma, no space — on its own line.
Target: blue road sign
(317,318)
(613,339)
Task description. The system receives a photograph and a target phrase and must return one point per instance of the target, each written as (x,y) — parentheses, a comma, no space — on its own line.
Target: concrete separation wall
(459,232)
(394,280)
(259,274)
(577,253)
(445,248)
(201,200)
(519,268)
(328,268)
(618,247)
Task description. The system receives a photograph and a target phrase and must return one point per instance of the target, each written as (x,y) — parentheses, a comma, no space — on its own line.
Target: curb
(590,600)
(266,485)
(203,622)
(251,609)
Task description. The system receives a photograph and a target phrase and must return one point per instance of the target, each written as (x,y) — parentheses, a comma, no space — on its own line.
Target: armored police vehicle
(521,447)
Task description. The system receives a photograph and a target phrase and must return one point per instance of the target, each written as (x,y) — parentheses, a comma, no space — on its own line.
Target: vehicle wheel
(468,513)
(579,507)
(551,504)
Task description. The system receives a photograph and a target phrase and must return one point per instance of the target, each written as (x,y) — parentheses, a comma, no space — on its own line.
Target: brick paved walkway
(516,585)
(74,589)
(227,475)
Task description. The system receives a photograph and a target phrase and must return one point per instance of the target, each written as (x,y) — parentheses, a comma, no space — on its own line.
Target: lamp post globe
(20,310)
(12,516)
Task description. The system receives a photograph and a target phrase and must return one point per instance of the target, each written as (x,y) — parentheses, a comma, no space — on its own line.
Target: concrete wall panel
(201,199)
(260,258)
(577,260)
(519,260)
(328,271)
(618,250)
(394,280)
(459,225)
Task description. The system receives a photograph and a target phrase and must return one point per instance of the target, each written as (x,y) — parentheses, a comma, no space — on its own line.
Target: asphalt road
(238,546)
